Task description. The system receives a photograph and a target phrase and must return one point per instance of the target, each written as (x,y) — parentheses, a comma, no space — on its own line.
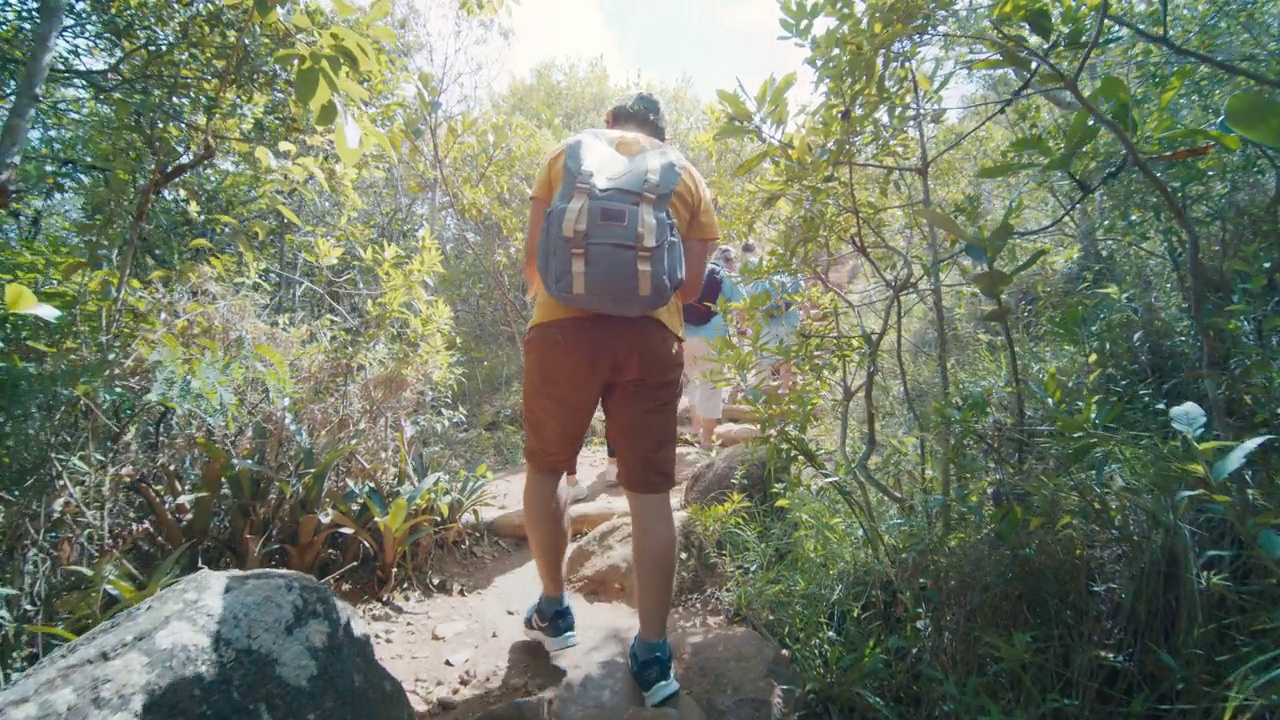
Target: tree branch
(1168,44)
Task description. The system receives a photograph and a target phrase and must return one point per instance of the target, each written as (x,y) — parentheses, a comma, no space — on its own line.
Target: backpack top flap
(591,159)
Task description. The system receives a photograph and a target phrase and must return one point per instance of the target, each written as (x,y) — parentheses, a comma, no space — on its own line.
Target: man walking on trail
(619,233)
(704,325)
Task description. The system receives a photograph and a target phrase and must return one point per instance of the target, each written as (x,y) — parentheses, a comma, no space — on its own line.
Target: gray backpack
(609,243)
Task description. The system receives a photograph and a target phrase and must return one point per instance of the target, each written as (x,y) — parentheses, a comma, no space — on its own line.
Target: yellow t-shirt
(690,204)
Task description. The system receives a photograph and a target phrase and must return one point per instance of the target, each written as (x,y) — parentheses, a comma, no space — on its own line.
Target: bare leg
(786,376)
(547,524)
(653,545)
(707,434)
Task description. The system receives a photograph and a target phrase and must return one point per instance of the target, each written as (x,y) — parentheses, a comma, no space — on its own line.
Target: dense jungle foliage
(263,307)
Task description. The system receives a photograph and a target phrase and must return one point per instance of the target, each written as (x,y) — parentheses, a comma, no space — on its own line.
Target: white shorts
(706,400)
(774,340)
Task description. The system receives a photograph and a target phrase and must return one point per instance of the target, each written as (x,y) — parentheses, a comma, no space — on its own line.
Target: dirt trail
(462,653)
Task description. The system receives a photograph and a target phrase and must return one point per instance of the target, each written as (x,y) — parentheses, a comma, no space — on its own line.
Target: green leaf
(48,630)
(200,243)
(346,140)
(1236,458)
(399,511)
(998,239)
(71,268)
(976,252)
(1254,116)
(383,33)
(21,301)
(779,94)
(735,105)
(324,89)
(752,163)
(285,57)
(273,356)
(289,214)
(943,222)
(327,114)
(1083,130)
(1040,21)
(1000,170)
(1269,541)
(375,137)
(997,314)
(1188,419)
(1031,145)
(1175,84)
(19,298)
(1029,262)
(992,282)
(378,10)
(306,82)
(993,64)
(1113,94)
(344,9)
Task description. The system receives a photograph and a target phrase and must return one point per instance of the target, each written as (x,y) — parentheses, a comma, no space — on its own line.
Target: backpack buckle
(644,272)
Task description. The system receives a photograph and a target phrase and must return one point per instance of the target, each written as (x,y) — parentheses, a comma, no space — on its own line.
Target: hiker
(704,325)
(608,476)
(620,228)
(780,322)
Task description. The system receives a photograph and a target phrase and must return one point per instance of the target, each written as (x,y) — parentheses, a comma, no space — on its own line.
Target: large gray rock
(741,468)
(257,645)
(726,673)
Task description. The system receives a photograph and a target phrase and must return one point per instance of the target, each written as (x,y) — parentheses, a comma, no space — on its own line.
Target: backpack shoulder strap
(586,154)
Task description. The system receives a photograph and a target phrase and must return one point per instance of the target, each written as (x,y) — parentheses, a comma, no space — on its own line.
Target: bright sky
(714,42)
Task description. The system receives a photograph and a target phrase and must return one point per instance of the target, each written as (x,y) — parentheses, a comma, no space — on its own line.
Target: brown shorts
(631,366)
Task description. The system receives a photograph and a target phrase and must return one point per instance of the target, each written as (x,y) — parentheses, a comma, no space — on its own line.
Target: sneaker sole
(553,644)
(661,692)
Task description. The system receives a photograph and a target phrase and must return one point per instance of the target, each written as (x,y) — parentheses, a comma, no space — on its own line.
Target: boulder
(600,564)
(217,646)
(726,672)
(736,674)
(584,517)
(731,434)
(741,468)
(738,414)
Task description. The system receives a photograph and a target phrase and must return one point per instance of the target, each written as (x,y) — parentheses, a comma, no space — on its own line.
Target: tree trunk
(939,318)
(14,135)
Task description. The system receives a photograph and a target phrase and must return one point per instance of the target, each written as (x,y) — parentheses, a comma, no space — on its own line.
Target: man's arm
(537,214)
(696,253)
(701,232)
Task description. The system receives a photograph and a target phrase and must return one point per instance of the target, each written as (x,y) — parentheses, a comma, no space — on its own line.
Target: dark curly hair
(643,112)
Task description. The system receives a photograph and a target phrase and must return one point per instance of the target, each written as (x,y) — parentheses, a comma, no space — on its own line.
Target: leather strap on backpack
(575,229)
(647,226)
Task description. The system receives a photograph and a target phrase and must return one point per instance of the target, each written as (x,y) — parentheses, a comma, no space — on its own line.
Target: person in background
(608,476)
(586,247)
(704,324)
(780,319)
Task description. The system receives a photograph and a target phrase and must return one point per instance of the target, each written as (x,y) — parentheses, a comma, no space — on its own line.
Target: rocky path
(461,654)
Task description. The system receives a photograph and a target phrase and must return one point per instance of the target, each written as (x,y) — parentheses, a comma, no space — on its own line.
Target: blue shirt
(777,288)
(730,292)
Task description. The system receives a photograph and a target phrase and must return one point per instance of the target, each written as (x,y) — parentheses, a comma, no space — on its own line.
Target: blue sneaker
(655,676)
(555,632)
